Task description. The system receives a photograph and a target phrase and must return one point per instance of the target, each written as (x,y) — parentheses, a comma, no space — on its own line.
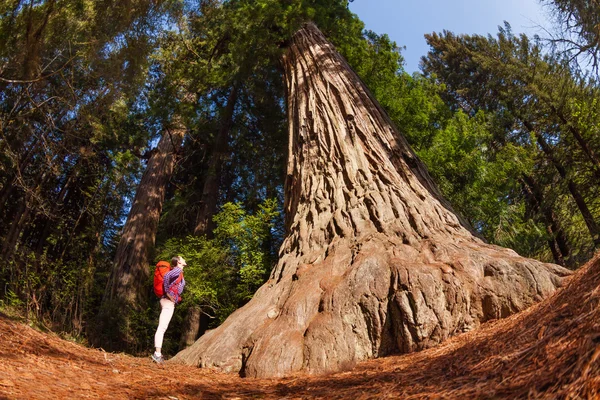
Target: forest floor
(551,350)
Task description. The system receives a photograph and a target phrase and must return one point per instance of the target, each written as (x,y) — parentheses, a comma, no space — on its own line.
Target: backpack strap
(176,282)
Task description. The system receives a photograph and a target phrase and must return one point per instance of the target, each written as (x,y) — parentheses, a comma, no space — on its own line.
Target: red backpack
(162,267)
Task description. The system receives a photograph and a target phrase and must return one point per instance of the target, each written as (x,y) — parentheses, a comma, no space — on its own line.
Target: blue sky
(407,21)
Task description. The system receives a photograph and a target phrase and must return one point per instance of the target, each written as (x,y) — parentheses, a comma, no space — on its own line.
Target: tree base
(369,300)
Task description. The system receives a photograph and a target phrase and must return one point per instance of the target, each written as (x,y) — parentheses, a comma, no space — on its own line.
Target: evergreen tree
(530,97)
(577,23)
(374,260)
(70,79)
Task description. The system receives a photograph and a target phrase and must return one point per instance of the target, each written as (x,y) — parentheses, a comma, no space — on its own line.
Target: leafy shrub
(223,272)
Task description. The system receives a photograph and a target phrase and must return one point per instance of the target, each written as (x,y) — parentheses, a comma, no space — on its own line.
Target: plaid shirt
(171,287)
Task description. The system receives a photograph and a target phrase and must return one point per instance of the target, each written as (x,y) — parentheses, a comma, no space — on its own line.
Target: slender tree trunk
(126,290)
(49,221)
(34,41)
(588,218)
(558,242)
(580,140)
(374,261)
(24,210)
(210,191)
(11,181)
(208,206)
(17,226)
(191,326)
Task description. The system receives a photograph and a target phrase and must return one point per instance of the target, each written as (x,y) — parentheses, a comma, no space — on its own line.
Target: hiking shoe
(157,359)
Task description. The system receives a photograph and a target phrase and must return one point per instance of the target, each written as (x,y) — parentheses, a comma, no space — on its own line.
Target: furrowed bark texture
(375,262)
(126,291)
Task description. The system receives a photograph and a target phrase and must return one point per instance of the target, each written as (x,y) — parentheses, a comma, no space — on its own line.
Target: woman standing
(173,284)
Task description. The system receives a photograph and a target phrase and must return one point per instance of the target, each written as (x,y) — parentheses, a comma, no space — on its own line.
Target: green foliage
(71,77)
(458,162)
(224,272)
(538,140)
(12,300)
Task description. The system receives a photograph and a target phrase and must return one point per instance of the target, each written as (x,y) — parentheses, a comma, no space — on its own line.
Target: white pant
(166,312)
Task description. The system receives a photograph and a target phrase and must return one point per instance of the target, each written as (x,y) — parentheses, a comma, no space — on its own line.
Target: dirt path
(551,350)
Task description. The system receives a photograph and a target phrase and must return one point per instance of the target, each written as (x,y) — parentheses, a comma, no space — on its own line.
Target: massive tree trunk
(375,261)
(127,287)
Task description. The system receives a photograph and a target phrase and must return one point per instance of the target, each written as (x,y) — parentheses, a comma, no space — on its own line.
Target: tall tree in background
(203,58)
(208,203)
(557,241)
(70,78)
(374,260)
(126,290)
(210,189)
(535,99)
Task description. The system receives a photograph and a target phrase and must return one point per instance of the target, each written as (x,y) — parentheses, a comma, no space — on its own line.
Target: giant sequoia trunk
(374,261)
(127,287)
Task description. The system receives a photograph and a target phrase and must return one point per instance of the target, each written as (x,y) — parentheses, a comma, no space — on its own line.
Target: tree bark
(208,205)
(375,261)
(126,290)
(191,326)
(210,190)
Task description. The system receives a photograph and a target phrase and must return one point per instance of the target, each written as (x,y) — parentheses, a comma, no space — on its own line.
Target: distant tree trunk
(34,40)
(208,206)
(12,237)
(210,190)
(27,206)
(127,287)
(374,261)
(50,221)
(10,184)
(191,326)
(585,147)
(558,242)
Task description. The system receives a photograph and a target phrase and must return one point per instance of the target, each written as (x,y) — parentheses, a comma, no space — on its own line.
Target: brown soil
(551,350)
